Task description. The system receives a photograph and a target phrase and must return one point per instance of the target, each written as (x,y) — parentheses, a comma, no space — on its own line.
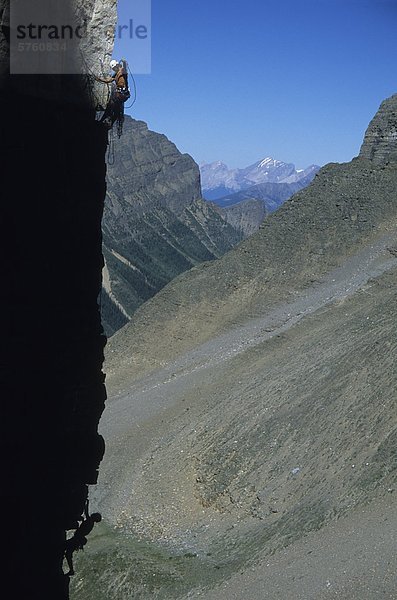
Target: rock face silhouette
(51,352)
(156,224)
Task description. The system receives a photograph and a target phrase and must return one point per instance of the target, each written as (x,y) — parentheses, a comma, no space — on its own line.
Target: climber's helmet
(114,64)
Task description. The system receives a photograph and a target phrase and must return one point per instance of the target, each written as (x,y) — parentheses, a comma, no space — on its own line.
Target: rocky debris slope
(251,453)
(155,223)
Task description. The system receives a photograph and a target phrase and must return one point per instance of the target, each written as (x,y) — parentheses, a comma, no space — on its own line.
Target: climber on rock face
(79,538)
(119,92)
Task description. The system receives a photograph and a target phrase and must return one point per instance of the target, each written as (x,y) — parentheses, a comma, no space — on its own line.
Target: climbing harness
(114,111)
(116,95)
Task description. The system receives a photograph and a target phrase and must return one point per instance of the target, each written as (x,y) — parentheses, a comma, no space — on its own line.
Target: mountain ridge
(219,181)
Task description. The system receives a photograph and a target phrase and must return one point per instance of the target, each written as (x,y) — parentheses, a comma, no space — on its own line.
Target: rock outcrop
(380,142)
(148,170)
(51,352)
(246,215)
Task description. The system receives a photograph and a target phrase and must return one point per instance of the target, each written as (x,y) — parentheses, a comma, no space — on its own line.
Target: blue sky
(236,81)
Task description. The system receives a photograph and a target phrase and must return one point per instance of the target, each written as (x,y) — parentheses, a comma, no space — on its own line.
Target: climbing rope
(110,153)
(120,123)
(134,85)
(99,104)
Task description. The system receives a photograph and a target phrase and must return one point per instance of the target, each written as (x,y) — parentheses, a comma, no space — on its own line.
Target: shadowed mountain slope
(155,223)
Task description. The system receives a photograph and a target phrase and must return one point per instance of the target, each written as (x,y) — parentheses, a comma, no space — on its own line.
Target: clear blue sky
(236,81)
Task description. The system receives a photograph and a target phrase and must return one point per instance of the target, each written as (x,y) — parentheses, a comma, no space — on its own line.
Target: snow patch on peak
(267,161)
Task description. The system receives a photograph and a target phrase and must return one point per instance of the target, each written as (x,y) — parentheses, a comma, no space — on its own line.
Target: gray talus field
(253,403)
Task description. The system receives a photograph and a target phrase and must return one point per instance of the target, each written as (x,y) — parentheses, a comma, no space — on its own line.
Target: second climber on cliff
(79,538)
(118,95)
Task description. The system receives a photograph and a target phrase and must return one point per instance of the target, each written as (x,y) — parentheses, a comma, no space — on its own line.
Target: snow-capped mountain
(217,180)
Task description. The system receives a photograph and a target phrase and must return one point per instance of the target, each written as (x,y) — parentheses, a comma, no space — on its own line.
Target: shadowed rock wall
(52,156)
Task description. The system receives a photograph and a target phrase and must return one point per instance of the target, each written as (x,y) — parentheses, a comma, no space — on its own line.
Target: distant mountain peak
(218,180)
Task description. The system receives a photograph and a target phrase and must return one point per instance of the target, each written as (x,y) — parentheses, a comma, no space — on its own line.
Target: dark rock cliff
(52,153)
